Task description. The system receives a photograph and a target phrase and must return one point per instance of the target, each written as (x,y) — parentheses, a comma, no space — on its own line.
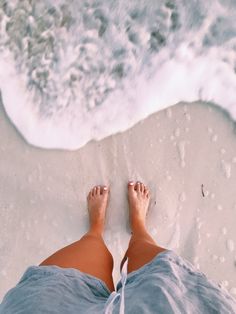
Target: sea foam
(73,72)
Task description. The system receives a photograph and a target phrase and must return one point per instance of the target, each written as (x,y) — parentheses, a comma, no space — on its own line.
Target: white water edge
(71,73)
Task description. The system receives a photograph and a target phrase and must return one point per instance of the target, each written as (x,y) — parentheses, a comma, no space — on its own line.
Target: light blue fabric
(168,284)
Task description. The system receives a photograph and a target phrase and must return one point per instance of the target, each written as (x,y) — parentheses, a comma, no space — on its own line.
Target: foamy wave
(74,72)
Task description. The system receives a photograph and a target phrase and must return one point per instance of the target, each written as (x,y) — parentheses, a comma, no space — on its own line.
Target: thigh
(89,255)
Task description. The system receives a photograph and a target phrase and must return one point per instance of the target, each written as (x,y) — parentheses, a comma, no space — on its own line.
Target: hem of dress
(69,272)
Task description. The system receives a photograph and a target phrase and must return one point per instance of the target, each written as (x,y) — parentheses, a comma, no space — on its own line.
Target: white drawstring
(115,294)
(123,282)
(111,299)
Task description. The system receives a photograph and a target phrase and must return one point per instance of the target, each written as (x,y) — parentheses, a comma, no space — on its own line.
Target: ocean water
(73,71)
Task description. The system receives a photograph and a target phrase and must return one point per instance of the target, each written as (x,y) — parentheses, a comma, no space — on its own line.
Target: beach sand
(185,154)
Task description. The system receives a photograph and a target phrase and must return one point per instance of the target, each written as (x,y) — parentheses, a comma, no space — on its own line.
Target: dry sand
(187,156)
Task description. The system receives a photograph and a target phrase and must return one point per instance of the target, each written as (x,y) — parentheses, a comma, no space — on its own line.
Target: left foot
(97,205)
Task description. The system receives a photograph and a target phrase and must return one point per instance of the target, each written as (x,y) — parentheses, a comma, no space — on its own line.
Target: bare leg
(90,254)
(142,247)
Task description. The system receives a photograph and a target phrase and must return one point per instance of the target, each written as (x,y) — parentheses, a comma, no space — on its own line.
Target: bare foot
(97,205)
(139,198)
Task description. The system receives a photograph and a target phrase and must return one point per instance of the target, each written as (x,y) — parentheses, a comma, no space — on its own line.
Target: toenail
(104,188)
(131,183)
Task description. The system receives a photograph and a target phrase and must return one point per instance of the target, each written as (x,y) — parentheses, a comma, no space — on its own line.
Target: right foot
(97,205)
(139,198)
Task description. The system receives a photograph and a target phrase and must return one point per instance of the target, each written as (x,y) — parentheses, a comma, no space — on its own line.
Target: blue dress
(167,284)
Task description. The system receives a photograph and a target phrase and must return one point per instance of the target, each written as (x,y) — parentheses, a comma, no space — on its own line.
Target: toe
(131,185)
(146,191)
(93,191)
(142,187)
(104,189)
(98,190)
(138,186)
